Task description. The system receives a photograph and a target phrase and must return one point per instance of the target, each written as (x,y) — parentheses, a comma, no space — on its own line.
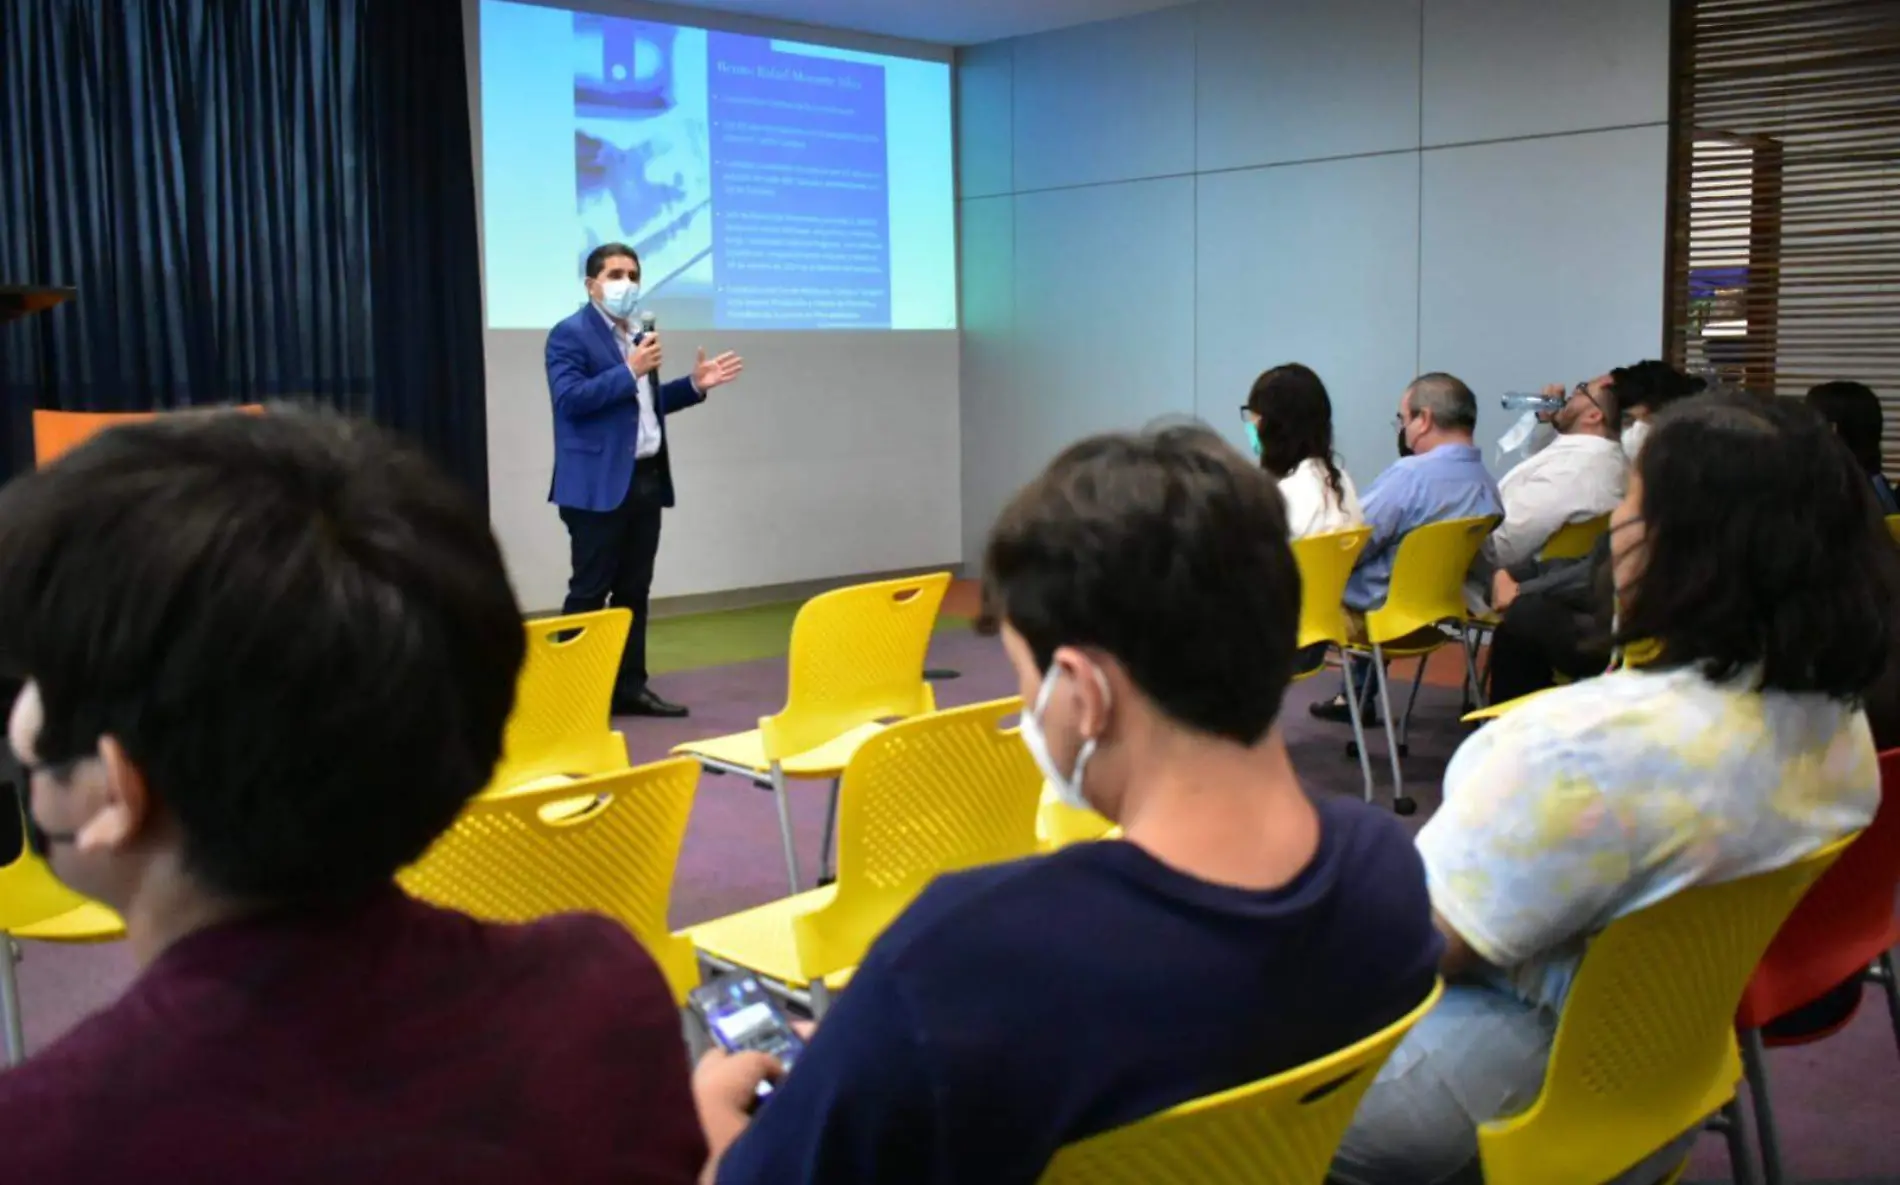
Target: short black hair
(1296,422)
(1766,550)
(1854,412)
(598,257)
(1167,550)
(1453,406)
(1652,385)
(300,631)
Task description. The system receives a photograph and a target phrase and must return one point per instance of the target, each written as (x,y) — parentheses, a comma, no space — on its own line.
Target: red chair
(1843,930)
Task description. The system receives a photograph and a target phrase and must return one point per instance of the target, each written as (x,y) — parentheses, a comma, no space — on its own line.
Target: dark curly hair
(1296,422)
(1652,386)
(1766,550)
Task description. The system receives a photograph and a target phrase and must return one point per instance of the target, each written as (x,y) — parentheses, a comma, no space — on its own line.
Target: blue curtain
(256,199)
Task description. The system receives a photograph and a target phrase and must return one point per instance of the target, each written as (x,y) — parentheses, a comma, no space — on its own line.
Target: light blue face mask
(619,298)
(1253,437)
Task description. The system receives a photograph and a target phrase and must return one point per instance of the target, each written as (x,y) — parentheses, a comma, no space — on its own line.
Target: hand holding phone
(742,1017)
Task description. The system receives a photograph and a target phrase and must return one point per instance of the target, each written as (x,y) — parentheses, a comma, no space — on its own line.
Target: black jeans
(613,554)
(1538,638)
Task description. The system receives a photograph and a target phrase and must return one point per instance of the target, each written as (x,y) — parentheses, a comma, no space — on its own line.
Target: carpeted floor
(1839,1100)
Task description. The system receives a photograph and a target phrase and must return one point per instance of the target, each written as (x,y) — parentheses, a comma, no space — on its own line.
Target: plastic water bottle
(1534,402)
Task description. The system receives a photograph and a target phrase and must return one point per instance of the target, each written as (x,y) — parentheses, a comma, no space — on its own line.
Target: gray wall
(1153,210)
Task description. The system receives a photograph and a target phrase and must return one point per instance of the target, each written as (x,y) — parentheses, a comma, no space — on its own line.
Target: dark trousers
(1538,638)
(613,554)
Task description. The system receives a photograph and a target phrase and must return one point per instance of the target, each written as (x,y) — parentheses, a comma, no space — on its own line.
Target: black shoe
(1336,711)
(645,703)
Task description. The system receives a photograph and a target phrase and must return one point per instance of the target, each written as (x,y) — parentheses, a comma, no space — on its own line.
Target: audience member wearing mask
(1148,601)
(1290,426)
(267,661)
(1439,476)
(1752,575)
(1853,411)
(1644,389)
(1580,475)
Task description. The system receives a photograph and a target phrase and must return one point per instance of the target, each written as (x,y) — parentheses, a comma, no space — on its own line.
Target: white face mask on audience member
(1633,438)
(1068,787)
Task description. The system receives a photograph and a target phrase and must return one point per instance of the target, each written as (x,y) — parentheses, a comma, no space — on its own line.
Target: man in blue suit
(612,479)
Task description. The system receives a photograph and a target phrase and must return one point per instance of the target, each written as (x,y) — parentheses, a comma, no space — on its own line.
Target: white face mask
(619,298)
(1633,438)
(1068,787)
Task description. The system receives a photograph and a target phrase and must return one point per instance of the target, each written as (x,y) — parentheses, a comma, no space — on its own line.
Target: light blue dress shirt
(1448,482)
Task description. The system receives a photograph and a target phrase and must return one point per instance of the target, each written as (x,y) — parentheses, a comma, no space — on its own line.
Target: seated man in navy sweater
(1147,599)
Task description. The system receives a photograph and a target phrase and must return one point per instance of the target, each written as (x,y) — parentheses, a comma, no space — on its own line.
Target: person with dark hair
(1754,589)
(1439,475)
(267,659)
(1645,388)
(1853,411)
(612,475)
(1148,602)
(1289,420)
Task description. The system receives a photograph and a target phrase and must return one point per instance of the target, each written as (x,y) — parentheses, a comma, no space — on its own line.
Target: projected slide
(766,184)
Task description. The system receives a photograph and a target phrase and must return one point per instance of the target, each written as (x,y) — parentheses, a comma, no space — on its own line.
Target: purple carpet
(1838,1100)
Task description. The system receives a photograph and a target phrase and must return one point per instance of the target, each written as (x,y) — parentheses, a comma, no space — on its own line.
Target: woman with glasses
(1753,590)
(1289,422)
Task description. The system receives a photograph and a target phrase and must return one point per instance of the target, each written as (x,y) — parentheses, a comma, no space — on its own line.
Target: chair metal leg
(1735,1129)
(826,871)
(10,1001)
(820,999)
(1400,803)
(1405,721)
(1755,1068)
(1883,972)
(785,824)
(1472,674)
(1358,730)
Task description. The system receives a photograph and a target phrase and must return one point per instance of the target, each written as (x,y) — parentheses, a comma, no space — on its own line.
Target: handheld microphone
(647,322)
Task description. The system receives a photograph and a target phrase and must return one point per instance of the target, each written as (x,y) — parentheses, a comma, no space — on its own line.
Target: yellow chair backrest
(1573,541)
(1428,577)
(857,655)
(1645,1047)
(1893,526)
(605,844)
(31,894)
(926,796)
(563,700)
(1281,1130)
(1325,563)
(1058,825)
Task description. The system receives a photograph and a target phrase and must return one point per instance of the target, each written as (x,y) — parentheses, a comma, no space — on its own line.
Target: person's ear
(123,801)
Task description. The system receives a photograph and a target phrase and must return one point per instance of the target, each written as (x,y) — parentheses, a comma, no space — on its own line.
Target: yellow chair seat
(90,922)
(746,750)
(761,941)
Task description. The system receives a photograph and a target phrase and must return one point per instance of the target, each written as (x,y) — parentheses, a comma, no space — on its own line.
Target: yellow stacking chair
(34,905)
(1058,825)
(1645,1048)
(607,844)
(1427,590)
(1281,1130)
(925,796)
(856,662)
(1572,541)
(1326,563)
(1893,526)
(563,700)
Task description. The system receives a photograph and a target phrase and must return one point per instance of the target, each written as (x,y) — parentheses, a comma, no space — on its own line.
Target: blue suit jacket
(597,414)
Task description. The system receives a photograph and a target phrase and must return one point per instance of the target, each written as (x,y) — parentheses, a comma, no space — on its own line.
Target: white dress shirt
(647,443)
(1311,506)
(1578,476)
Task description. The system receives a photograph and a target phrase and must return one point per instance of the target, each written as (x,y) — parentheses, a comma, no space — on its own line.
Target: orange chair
(1844,928)
(58,432)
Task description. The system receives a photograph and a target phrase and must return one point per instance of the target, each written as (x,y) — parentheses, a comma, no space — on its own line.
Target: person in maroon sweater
(267,659)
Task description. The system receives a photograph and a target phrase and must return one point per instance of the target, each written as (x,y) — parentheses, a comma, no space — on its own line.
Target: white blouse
(1311,506)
